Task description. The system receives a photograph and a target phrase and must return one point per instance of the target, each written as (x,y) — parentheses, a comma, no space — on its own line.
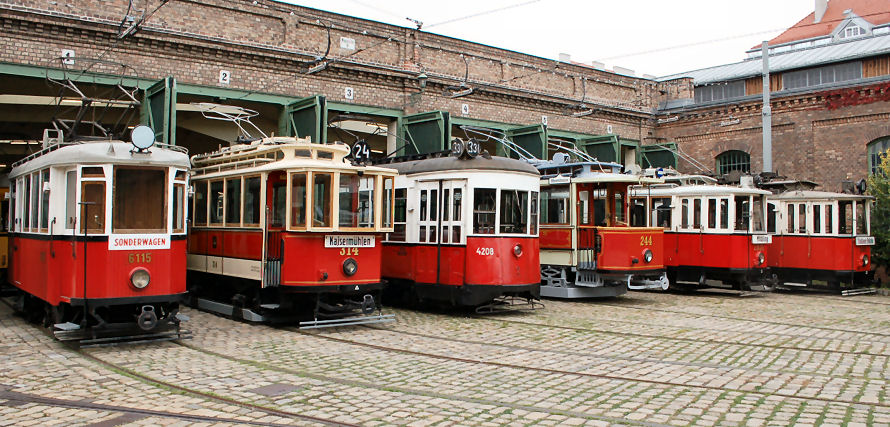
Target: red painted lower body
(484,269)
(730,258)
(802,259)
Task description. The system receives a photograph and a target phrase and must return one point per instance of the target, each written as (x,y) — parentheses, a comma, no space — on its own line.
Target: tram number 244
(646,240)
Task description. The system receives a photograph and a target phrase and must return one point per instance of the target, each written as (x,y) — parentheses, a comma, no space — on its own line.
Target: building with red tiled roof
(830,99)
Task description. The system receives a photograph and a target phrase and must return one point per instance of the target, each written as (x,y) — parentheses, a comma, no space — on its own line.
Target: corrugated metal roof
(838,52)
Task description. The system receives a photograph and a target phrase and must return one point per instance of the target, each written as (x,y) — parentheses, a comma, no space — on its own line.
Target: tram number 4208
(485,251)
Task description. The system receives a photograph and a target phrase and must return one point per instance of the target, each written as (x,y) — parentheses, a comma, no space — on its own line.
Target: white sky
(658,37)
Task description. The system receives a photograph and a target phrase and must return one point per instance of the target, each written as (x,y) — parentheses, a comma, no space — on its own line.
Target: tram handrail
(58,145)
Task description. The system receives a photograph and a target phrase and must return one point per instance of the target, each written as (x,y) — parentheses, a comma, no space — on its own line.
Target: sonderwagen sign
(126,242)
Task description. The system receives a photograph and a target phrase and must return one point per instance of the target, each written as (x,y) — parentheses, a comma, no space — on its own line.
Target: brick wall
(268,46)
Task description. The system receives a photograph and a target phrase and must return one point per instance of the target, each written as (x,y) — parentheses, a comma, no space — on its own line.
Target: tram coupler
(635,283)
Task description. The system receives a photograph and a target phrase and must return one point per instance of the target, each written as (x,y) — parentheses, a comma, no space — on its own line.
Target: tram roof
(276,153)
(800,195)
(450,163)
(701,190)
(101,152)
(600,177)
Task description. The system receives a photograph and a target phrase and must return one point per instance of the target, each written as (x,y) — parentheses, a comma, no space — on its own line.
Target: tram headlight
(517,250)
(350,266)
(140,278)
(760,258)
(647,256)
(864,260)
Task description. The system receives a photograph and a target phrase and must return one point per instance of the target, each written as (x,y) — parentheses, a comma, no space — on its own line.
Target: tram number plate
(485,251)
(646,240)
(761,239)
(865,240)
(139,257)
(348,241)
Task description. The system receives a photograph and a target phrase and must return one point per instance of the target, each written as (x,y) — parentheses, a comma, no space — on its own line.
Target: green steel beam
(233,94)
(43,72)
(364,109)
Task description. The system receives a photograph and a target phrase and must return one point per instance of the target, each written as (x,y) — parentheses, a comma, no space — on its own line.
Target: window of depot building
(733,160)
(822,75)
(139,200)
(877,150)
(719,91)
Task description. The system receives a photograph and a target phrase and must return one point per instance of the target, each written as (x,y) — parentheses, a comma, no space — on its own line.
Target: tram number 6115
(139,257)
(485,251)
(646,240)
(349,251)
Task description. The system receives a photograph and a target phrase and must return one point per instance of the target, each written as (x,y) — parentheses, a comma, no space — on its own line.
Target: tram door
(441,231)
(276,211)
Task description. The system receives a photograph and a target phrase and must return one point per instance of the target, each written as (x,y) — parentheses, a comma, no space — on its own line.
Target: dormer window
(852,31)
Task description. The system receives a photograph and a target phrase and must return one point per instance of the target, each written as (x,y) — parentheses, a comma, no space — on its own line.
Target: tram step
(67,326)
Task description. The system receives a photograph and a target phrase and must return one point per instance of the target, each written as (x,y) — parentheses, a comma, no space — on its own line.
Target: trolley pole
(767,113)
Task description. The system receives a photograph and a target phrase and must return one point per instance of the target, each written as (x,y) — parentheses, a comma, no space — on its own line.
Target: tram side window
(252,191)
(35,200)
(322,197)
(712,213)
(178,207)
(829,226)
(554,205)
(200,211)
(845,218)
(400,215)
(11,213)
(514,212)
(637,212)
(758,212)
(44,200)
(455,216)
(297,200)
(70,201)
(684,213)
(662,215)
(742,213)
(724,213)
(233,201)
(139,202)
(534,213)
(484,204)
(216,202)
(387,219)
(619,207)
(696,213)
(92,216)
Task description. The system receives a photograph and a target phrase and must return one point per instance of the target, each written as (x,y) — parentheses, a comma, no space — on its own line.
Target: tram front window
(139,200)
(554,205)
(514,211)
(297,199)
(321,200)
(484,204)
(861,221)
(356,198)
(758,213)
(741,213)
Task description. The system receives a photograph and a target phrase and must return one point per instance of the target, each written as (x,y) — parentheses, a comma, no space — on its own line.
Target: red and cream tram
(466,231)
(284,228)
(820,236)
(97,237)
(714,235)
(589,247)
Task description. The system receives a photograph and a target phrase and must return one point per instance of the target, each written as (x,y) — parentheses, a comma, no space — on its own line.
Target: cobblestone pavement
(643,358)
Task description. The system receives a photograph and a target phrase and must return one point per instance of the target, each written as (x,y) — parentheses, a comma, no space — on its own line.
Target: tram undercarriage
(311,306)
(107,321)
(484,298)
(687,278)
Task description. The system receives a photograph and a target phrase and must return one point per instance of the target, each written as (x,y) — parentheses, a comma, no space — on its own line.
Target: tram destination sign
(865,240)
(128,242)
(348,241)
